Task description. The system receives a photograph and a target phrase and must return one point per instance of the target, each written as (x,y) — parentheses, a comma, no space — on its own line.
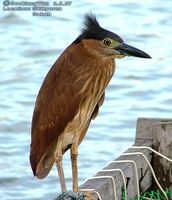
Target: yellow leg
(74,154)
(58,160)
(61,174)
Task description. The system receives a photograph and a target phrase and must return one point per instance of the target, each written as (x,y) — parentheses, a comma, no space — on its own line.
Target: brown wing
(96,110)
(93,116)
(56,105)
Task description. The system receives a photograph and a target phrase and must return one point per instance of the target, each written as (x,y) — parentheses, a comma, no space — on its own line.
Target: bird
(71,95)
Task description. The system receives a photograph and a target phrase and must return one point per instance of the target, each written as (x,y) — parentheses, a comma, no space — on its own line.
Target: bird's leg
(74,154)
(61,173)
(58,160)
(88,196)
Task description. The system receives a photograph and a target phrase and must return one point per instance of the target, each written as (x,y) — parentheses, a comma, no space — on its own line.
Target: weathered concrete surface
(156,133)
(162,143)
(105,187)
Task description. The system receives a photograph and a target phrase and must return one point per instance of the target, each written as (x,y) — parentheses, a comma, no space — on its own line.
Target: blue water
(140,88)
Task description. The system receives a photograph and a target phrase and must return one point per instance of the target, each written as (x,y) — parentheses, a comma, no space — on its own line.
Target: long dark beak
(131,51)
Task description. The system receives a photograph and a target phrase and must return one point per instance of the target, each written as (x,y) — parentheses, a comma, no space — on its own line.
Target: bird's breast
(94,86)
(93,78)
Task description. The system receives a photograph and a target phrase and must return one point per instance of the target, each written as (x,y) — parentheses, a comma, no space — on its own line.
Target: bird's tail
(42,168)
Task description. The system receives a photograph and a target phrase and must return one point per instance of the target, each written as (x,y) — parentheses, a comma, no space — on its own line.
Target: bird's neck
(93,72)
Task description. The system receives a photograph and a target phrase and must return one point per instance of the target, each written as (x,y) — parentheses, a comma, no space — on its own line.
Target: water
(140,87)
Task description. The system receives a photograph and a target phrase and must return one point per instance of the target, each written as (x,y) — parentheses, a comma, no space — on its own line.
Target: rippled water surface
(140,87)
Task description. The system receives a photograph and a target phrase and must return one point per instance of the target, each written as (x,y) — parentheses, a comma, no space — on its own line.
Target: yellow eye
(107,42)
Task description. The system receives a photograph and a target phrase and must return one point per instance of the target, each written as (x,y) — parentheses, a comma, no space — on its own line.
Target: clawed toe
(88,196)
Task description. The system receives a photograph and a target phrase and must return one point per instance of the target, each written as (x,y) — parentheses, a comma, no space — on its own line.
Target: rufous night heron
(70,97)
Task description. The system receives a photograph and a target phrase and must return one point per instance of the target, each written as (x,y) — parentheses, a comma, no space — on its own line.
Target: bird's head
(100,41)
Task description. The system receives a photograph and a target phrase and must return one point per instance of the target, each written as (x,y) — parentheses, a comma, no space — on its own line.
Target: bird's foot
(88,196)
(81,195)
(71,196)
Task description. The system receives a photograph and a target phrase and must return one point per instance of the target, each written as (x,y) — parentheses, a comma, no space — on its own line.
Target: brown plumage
(71,95)
(64,94)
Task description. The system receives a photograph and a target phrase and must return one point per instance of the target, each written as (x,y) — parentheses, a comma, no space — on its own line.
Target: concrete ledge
(148,133)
